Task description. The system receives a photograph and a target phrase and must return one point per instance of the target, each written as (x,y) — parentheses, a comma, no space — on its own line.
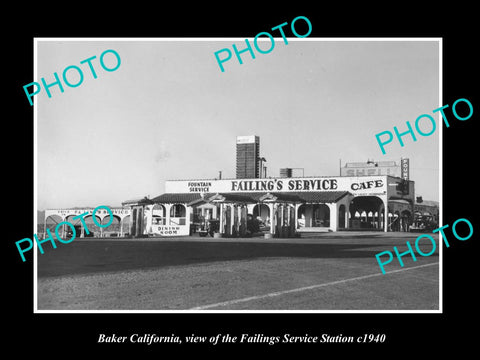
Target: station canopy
(252,197)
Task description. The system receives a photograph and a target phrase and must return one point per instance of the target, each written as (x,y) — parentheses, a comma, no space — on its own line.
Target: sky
(168,112)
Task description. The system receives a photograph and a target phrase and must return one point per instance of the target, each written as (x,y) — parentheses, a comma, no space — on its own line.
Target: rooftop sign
(355,185)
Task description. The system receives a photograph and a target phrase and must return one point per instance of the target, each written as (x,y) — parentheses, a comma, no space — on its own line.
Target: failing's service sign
(354,185)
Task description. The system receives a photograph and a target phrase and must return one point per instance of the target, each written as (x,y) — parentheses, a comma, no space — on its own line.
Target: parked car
(209,227)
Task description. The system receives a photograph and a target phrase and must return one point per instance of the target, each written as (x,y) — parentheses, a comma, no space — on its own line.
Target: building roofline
(277,177)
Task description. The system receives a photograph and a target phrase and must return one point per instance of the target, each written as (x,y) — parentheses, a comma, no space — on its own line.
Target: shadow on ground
(105,256)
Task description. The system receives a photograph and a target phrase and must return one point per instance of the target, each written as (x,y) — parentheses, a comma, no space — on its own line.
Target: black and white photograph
(223,180)
(252,188)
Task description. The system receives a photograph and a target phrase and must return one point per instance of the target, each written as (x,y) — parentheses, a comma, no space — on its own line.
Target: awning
(176,198)
(136,202)
(399,201)
(298,197)
(245,198)
(319,196)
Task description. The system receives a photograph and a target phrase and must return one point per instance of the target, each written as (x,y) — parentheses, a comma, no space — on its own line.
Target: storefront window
(158,214)
(177,210)
(178,214)
(313,215)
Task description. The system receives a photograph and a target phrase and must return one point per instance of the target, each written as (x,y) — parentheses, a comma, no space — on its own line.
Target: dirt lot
(324,272)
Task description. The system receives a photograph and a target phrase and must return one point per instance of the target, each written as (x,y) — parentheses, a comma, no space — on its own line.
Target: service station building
(366,196)
(286,206)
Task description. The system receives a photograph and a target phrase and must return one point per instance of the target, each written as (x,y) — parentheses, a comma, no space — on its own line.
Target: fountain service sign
(357,185)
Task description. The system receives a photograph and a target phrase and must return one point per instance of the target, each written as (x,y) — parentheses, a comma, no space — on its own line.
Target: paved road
(324,272)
